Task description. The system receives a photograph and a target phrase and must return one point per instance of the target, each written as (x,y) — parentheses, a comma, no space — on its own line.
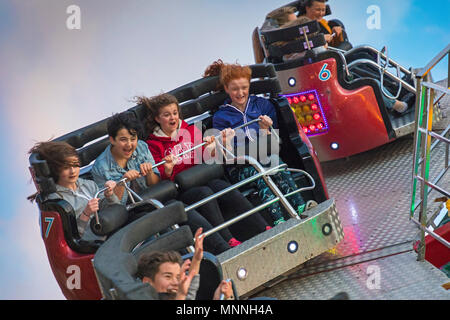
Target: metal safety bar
(204,143)
(388,60)
(156,203)
(425,103)
(233,187)
(265,204)
(383,70)
(405,84)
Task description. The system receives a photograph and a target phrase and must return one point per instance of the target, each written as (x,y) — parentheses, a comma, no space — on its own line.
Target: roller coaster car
(336,94)
(108,269)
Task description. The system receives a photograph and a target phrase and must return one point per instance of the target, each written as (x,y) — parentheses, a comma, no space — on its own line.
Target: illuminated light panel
(309,112)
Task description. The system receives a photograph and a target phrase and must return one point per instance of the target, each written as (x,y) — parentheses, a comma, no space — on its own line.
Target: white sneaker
(310,204)
(400,106)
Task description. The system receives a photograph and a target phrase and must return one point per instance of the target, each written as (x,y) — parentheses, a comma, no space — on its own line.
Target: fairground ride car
(108,268)
(336,94)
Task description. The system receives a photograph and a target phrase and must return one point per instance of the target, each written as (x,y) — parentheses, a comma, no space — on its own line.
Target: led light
(295,100)
(334,146)
(292,81)
(314,107)
(242,273)
(302,98)
(292,246)
(311,97)
(326,229)
(316,116)
(289,100)
(305,130)
(320,126)
(312,127)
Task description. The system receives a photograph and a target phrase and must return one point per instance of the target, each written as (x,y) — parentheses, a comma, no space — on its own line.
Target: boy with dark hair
(129,157)
(166,273)
(126,157)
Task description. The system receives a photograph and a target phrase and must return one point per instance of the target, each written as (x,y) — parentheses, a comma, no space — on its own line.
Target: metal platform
(373,195)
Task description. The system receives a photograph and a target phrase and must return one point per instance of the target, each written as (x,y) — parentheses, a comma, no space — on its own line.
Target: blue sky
(54,80)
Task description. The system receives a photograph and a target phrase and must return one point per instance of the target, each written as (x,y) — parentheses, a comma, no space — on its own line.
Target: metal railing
(425,104)
(262,173)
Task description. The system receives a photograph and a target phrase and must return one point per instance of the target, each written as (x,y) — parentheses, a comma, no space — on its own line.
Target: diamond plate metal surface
(401,277)
(373,197)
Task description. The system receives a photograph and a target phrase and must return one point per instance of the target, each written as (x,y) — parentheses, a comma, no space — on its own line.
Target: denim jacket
(106,168)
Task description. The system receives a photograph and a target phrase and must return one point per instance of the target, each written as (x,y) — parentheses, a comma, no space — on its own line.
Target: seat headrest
(163,191)
(198,175)
(111,219)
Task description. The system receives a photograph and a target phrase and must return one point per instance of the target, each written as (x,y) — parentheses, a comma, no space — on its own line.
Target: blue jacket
(229,116)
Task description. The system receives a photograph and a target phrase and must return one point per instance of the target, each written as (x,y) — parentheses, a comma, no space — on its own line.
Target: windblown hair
(56,154)
(154,105)
(148,265)
(227,72)
(281,15)
(300,20)
(124,120)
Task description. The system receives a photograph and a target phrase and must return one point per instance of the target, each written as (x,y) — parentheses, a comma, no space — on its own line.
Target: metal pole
(417,142)
(233,187)
(252,211)
(292,212)
(425,175)
(202,144)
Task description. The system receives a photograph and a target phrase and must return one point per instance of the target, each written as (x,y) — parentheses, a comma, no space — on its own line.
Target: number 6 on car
(324,73)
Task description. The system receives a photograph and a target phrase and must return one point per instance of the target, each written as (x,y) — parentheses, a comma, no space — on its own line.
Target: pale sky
(54,80)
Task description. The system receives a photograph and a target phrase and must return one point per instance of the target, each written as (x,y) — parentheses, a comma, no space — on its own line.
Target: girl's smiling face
(168,118)
(238,90)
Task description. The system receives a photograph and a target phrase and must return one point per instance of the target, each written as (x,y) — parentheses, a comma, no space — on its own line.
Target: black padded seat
(198,175)
(294,40)
(91,152)
(163,191)
(115,262)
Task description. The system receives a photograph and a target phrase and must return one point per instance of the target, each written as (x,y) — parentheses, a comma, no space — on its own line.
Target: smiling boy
(126,157)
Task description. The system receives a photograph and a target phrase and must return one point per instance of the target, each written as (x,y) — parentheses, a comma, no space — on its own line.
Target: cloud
(56,80)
